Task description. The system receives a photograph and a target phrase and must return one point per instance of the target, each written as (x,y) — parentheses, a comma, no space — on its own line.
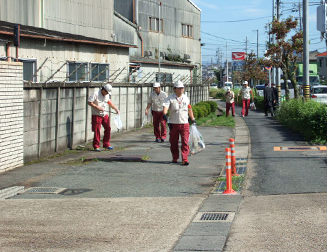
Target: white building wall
(11,115)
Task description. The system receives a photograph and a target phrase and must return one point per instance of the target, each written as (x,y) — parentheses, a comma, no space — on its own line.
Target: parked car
(213,85)
(259,89)
(319,94)
(237,86)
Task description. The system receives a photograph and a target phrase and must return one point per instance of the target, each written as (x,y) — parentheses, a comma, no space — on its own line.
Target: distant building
(104,41)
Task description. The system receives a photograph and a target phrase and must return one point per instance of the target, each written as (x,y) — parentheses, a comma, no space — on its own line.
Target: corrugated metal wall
(83,17)
(20,11)
(174,14)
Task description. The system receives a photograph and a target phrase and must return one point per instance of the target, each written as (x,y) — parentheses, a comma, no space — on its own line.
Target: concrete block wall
(11,115)
(57,117)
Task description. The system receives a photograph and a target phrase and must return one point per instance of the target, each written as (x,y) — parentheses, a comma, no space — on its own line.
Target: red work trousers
(228,106)
(245,107)
(175,131)
(159,125)
(97,121)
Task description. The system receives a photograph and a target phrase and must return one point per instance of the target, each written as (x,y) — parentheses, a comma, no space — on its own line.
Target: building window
(187,31)
(320,62)
(99,72)
(154,24)
(29,69)
(164,78)
(77,71)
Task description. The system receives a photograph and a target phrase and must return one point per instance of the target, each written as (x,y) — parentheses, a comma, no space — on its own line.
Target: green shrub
(258,101)
(308,118)
(195,112)
(205,104)
(201,111)
(220,94)
(213,105)
(213,92)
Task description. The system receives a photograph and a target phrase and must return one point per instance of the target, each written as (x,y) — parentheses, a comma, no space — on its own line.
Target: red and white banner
(238,55)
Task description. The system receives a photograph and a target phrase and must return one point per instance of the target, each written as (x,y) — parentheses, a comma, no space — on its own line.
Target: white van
(228,84)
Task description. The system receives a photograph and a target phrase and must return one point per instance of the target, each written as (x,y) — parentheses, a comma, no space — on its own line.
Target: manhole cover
(214,217)
(44,190)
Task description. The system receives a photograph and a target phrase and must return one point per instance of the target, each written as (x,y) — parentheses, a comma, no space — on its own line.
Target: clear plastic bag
(252,106)
(118,121)
(196,141)
(145,121)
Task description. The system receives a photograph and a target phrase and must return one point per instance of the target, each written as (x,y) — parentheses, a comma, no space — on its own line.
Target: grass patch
(145,158)
(213,120)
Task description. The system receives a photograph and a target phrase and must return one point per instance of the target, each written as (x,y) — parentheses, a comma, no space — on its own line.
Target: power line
(234,21)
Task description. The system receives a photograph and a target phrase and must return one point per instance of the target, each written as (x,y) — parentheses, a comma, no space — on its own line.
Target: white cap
(108,88)
(245,82)
(228,88)
(156,84)
(178,84)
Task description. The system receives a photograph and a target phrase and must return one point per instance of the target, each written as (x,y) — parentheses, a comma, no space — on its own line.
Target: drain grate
(214,217)
(44,190)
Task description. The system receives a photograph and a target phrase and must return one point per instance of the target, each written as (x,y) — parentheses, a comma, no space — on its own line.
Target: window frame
(34,67)
(156,24)
(92,64)
(74,77)
(187,30)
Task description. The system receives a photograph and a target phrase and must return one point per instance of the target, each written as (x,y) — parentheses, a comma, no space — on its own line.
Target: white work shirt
(246,93)
(229,97)
(98,99)
(157,100)
(178,108)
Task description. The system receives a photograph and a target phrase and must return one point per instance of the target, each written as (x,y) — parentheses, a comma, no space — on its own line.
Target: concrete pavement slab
(112,224)
(293,222)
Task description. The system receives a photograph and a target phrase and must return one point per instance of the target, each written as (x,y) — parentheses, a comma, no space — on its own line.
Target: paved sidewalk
(124,206)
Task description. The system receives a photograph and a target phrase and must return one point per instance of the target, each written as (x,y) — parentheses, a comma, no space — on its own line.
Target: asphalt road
(284,205)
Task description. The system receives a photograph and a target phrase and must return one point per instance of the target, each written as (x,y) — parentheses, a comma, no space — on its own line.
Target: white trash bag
(118,122)
(252,106)
(196,141)
(145,121)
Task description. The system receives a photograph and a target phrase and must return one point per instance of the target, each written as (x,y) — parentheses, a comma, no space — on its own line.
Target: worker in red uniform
(179,107)
(156,100)
(98,101)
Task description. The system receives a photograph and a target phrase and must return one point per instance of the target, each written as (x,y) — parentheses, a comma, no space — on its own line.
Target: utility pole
(159,62)
(257,44)
(226,63)
(246,45)
(278,69)
(306,87)
(273,41)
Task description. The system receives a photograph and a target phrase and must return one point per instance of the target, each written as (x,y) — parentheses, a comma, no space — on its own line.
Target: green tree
(253,69)
(285,52)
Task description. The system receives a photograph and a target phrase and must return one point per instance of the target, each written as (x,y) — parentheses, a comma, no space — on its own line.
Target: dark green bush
(213,92)
(258,101)
(213,105)
(195,112)
(205,104)
(308,118)
(220,94)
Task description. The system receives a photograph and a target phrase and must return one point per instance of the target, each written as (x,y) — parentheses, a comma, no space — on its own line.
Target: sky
(226,25)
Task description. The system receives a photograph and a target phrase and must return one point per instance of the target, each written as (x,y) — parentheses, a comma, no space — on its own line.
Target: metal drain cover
(44,190)
(214,217)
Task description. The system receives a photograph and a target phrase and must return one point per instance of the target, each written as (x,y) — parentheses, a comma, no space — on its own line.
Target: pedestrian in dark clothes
(273,87)
(269,100)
